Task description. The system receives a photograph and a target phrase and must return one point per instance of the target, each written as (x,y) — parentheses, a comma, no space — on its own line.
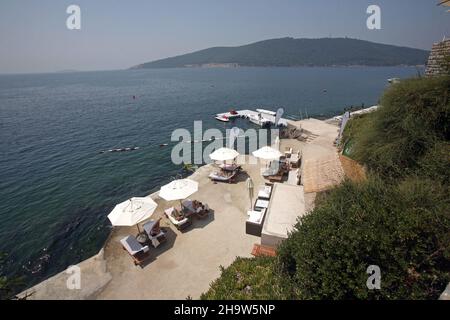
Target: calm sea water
(56,189)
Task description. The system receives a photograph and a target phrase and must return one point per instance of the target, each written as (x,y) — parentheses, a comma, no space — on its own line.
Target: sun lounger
(295,160)
(293,177)
(138,252)
(221,177)
(201,211)
(274,169)
(254,223)
(155,234)
(179,224)
(288,152)
(277,178)
(230,167)
(264,192)
(261,205)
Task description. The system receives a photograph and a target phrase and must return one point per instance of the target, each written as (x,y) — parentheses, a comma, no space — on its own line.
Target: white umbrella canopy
(224,154)
(267,153)
(132,211)
(178,189)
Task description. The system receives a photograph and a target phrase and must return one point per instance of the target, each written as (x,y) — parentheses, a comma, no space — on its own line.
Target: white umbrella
(267,153)
(132,211)
(178,189)
(224,154)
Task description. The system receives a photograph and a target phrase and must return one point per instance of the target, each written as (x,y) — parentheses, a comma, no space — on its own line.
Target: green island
(290,52)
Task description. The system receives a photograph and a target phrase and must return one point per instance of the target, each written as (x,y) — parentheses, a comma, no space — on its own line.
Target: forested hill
(289,52)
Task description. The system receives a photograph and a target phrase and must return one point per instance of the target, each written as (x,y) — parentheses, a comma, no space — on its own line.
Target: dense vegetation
(398,219)
(300,52)
(250,278)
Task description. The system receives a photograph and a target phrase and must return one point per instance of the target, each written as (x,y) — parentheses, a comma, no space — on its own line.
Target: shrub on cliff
(251,279)
(403,229)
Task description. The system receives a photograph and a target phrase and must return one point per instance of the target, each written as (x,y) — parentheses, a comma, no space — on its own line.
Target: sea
(57,187)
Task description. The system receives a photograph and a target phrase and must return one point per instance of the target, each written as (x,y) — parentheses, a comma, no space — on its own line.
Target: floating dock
(259,117)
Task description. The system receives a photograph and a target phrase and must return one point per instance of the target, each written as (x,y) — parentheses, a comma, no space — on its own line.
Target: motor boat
(223,118)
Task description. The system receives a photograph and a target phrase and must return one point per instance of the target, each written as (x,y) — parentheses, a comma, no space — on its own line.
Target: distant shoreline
(238,67)
(218,66)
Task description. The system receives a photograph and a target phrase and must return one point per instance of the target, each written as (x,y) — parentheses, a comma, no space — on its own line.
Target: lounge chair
(293,177)
(138,252)
(273,170)
(180,223)
(223,176)
(276,178)
(154,232)
(264,192)
(288,152)
(295,160)
(194,207)
(261,204)
(230,167)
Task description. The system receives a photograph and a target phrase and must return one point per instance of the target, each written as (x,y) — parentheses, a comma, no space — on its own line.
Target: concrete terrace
(189,261)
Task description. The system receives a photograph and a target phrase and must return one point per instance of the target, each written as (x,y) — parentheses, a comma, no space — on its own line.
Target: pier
(259,117)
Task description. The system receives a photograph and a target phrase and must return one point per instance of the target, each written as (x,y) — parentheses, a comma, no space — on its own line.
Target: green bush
(249,278)
(403,229)
(415,115)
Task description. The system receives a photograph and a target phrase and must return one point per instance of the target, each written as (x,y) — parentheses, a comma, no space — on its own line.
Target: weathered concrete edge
(50,288)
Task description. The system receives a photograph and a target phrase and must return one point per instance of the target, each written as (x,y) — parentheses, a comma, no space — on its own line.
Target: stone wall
(437,63)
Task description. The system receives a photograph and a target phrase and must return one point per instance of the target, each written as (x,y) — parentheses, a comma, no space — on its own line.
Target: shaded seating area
(228,171)
(138,252)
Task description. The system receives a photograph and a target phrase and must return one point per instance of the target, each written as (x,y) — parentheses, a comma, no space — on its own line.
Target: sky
(117,34)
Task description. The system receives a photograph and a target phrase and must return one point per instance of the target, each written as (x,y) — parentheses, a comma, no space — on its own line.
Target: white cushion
(132,245)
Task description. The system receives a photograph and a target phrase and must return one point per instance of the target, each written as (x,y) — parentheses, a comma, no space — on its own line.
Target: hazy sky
(119,34)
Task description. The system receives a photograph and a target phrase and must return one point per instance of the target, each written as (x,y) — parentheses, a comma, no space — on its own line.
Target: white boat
(223,119)
(259,120)
(394,80)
